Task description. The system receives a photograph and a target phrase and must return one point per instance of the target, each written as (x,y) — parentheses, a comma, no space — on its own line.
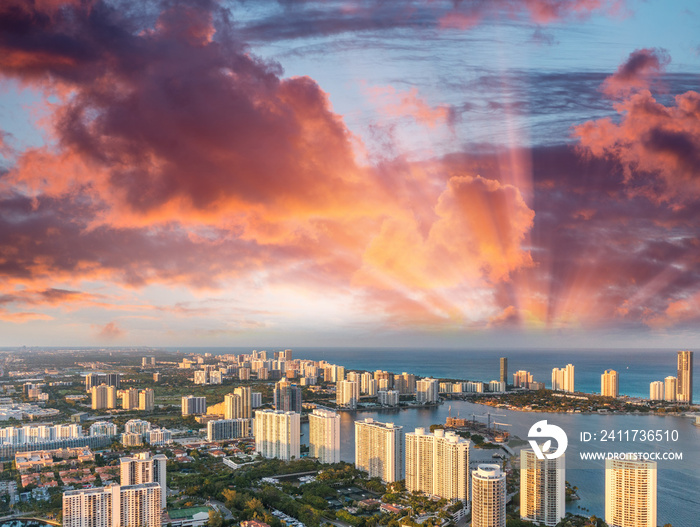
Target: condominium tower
(104,396)
(238,405)
(277,434)
(609,384)
(630,493)
(287,397)
(504,370)
(542,488)
(488,496)
(427,391)
(437,464)
(347,393)
(563,379)
(685,377)
(192,405)
(324,435)
(144,468)
(113,506)
(379,449)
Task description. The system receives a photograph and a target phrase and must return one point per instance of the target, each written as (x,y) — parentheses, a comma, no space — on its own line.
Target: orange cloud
(395,103)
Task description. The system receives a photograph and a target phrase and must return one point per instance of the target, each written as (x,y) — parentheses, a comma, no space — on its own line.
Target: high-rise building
(670,389)
(563,379)
(223,429)
(498,386)
(130,399)
(144,468)
(437,464)
(201,377)
(542,488)
(656,391)
(104,396)
(255,400)
(379,449)
(388,397)
(113,379)
(488,496)
(523,379)
(287,397)
(137,426)
(409,382)
(238,405)
(324,435)
(609,384)
(685,377)
(427,391)
(146,400)
(92,380)
(277,434)
(347,393)
(630,493)
(368,385)
(192,405)
(504,370)
(160,436)
(113,506)
(103,428)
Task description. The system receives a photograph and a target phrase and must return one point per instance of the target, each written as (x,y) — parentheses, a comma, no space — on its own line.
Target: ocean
(636,368)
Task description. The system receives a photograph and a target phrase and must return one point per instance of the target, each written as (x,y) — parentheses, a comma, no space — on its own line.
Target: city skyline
(506,173)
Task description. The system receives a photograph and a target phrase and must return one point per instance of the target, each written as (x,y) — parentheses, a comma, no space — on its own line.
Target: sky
(501,173)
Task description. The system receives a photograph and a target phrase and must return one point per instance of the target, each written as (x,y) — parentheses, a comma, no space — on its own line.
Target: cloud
(110,331)
(313,18)
(642,68)
(397,103)
(657,145)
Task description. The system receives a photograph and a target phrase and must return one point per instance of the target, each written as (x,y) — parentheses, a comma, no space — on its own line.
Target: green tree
(215,519)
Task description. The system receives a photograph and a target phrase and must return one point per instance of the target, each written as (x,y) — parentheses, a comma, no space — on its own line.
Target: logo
(540,430)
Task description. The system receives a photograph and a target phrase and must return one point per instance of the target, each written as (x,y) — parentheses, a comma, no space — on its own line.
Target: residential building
(224,429)
(656,391)
(670,389)
(103,428)
(388,397)
(192,405)
(287,397)
(347,393)
(563,379)
(277,434)
(147,400)
(609,384)
(324,435)
(427,391)
(504,370)
(113,506)
(684,385)
(488,496)
(522,379)
(437,464)
(542,488)
(144,468)
(379,449)
(630,493)
(104,397)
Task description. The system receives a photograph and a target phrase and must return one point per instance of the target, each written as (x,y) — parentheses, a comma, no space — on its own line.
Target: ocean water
(636,368)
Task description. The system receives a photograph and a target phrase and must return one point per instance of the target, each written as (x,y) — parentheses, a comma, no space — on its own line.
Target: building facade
(277,434)
(437,464)
(324,435)
(379,449)
(542,488)
(630,493)
(488,496)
